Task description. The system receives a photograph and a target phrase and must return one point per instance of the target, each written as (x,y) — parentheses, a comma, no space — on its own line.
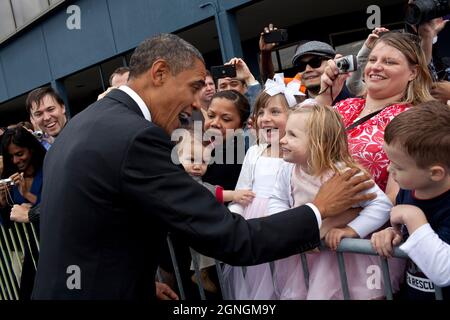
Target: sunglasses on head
(314,62)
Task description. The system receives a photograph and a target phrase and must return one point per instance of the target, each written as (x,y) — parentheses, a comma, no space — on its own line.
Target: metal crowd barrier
(18,240)
(361,246)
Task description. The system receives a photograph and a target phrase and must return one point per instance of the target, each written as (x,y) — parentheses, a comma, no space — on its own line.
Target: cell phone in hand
(223,71)
(276,36)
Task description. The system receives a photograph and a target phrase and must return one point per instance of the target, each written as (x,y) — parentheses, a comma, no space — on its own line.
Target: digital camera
(8,182)
(347,64)
(425,10)
(38,134)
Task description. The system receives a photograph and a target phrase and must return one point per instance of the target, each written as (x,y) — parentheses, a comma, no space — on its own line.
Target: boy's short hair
(423,132)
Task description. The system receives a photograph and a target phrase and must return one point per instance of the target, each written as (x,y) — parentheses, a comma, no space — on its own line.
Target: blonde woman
(396,77)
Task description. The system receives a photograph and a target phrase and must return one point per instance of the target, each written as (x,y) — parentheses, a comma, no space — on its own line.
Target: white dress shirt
(138,100)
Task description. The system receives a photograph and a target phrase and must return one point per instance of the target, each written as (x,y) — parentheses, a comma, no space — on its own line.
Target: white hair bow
(276,86)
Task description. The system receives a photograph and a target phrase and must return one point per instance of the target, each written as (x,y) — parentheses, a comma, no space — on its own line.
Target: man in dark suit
(111,191)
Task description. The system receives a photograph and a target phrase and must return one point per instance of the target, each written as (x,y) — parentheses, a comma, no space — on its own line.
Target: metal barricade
(347,245)
(18,242)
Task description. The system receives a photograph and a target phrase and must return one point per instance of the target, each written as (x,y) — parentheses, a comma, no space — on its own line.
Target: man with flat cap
(310,60)
(111,191)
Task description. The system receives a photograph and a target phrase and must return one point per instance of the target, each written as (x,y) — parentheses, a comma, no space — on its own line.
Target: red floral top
(366,140)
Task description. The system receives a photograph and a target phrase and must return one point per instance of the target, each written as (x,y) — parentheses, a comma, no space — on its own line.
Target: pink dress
(324,281)
(255,283)
(365,141)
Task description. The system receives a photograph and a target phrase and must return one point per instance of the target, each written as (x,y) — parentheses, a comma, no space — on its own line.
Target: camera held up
(347,64)
(421,11)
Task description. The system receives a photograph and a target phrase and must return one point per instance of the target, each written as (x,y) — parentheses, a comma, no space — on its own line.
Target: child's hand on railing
(384,241)
(335,235)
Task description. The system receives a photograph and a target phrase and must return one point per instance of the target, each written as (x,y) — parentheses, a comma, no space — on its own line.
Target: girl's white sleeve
(430,254)
(245,178)
(280,199)
(374,215)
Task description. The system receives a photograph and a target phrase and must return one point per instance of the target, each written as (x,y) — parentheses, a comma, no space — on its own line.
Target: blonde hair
(328,146)
(418,89)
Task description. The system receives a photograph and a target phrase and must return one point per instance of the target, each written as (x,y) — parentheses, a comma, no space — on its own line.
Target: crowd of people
(289,158)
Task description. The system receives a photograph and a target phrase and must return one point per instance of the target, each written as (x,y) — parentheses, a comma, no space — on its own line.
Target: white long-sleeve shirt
(374,215)
(430,254)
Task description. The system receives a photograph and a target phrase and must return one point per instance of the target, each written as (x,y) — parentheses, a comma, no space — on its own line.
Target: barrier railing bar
(8,269)
(27,237)
(35,237)
(305,269)
(343,275)
(16,276)
(194,256)
(386,278)
(13,240)
(5,280)
(221,280)
(175,268)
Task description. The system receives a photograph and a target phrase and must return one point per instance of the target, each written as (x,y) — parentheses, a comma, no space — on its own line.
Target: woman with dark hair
(23,157)
(224,123)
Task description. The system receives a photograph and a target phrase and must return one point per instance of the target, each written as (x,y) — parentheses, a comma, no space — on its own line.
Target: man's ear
(438,172)
(158,72)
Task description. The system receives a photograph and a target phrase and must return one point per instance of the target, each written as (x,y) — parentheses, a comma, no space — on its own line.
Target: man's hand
(383,242)
(19,213)
(163,292)
(342,192)
(441,91)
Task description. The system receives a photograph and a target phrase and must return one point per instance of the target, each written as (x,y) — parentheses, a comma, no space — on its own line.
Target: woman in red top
(396,78)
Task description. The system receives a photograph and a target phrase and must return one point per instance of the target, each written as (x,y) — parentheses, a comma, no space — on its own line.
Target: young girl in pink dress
(315,145)
(259,171)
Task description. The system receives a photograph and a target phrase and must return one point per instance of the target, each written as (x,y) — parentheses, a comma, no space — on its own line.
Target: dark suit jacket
(111,192)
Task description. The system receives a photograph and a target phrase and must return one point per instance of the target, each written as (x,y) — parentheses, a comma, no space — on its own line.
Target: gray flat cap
(316,48)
